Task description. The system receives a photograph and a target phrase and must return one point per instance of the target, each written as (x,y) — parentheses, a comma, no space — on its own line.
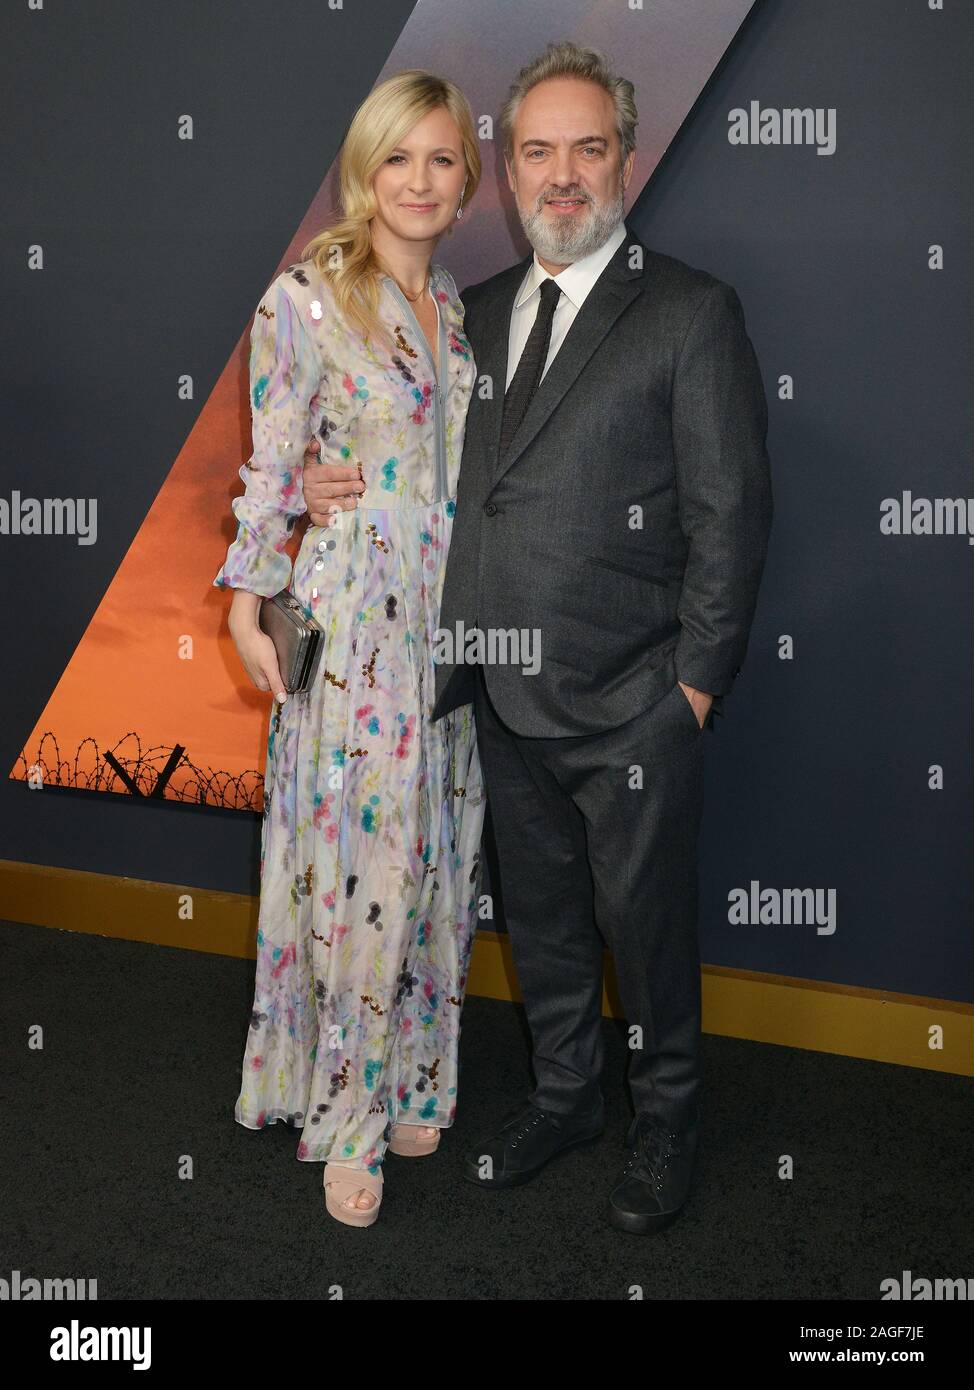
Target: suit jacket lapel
(490,351)
(616,287)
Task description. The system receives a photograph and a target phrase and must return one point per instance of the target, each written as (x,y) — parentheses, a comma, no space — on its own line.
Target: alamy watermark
(911,1288)
(495,646)
(50,516)
(755,906)
(23,1288)
(791,125)
(907,515)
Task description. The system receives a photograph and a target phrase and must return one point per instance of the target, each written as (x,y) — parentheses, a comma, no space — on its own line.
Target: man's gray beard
(570,238)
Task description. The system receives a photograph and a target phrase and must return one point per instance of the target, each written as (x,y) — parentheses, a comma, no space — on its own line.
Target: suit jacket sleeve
(723,481)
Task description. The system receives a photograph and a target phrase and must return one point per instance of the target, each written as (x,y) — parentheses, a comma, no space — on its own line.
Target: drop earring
(460,207)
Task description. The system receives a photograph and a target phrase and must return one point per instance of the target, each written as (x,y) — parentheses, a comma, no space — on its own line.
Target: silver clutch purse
(298,640)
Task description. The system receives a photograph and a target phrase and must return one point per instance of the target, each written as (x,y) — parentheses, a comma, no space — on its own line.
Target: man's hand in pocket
(700,701)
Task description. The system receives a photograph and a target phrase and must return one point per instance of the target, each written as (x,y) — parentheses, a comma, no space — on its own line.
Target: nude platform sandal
(341,1182)
(406,1140)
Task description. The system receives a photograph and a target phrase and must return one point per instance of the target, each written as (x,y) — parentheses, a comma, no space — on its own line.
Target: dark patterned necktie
(528,374)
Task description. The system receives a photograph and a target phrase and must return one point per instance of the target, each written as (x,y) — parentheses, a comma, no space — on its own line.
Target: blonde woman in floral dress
(372,812)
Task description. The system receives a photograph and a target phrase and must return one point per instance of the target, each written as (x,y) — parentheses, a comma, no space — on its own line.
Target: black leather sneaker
(522,1146)
(655,1180)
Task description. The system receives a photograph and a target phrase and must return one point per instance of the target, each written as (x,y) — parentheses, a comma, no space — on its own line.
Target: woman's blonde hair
(343,252)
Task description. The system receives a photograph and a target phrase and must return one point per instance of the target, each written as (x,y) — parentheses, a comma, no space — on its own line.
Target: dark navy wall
(818,775)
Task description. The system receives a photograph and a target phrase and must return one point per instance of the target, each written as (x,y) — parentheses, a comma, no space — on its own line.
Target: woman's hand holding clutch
(254,647)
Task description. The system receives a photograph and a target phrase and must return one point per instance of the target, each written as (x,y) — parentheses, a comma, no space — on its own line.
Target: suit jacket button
(490,508)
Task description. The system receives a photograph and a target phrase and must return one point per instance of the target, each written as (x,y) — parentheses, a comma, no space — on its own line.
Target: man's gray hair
(567,59)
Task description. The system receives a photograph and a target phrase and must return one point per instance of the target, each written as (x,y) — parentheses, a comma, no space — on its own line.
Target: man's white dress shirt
(575,282)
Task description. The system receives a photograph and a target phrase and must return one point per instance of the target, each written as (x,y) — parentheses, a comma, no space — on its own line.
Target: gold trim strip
(845,1020)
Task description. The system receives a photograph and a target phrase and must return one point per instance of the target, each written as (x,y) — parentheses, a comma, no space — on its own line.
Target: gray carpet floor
(140,1066)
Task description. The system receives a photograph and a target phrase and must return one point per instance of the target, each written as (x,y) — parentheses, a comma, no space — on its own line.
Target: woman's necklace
(412,297)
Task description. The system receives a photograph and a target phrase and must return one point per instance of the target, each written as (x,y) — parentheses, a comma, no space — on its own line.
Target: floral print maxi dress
(370,847)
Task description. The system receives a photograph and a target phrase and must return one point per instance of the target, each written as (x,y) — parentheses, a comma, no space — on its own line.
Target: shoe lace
(532,1119)
(653,1147)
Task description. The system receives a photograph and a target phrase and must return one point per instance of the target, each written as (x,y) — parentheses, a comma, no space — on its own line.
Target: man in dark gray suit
(614,503)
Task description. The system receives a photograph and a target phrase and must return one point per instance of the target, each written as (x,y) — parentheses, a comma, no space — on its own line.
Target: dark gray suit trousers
(588,856)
